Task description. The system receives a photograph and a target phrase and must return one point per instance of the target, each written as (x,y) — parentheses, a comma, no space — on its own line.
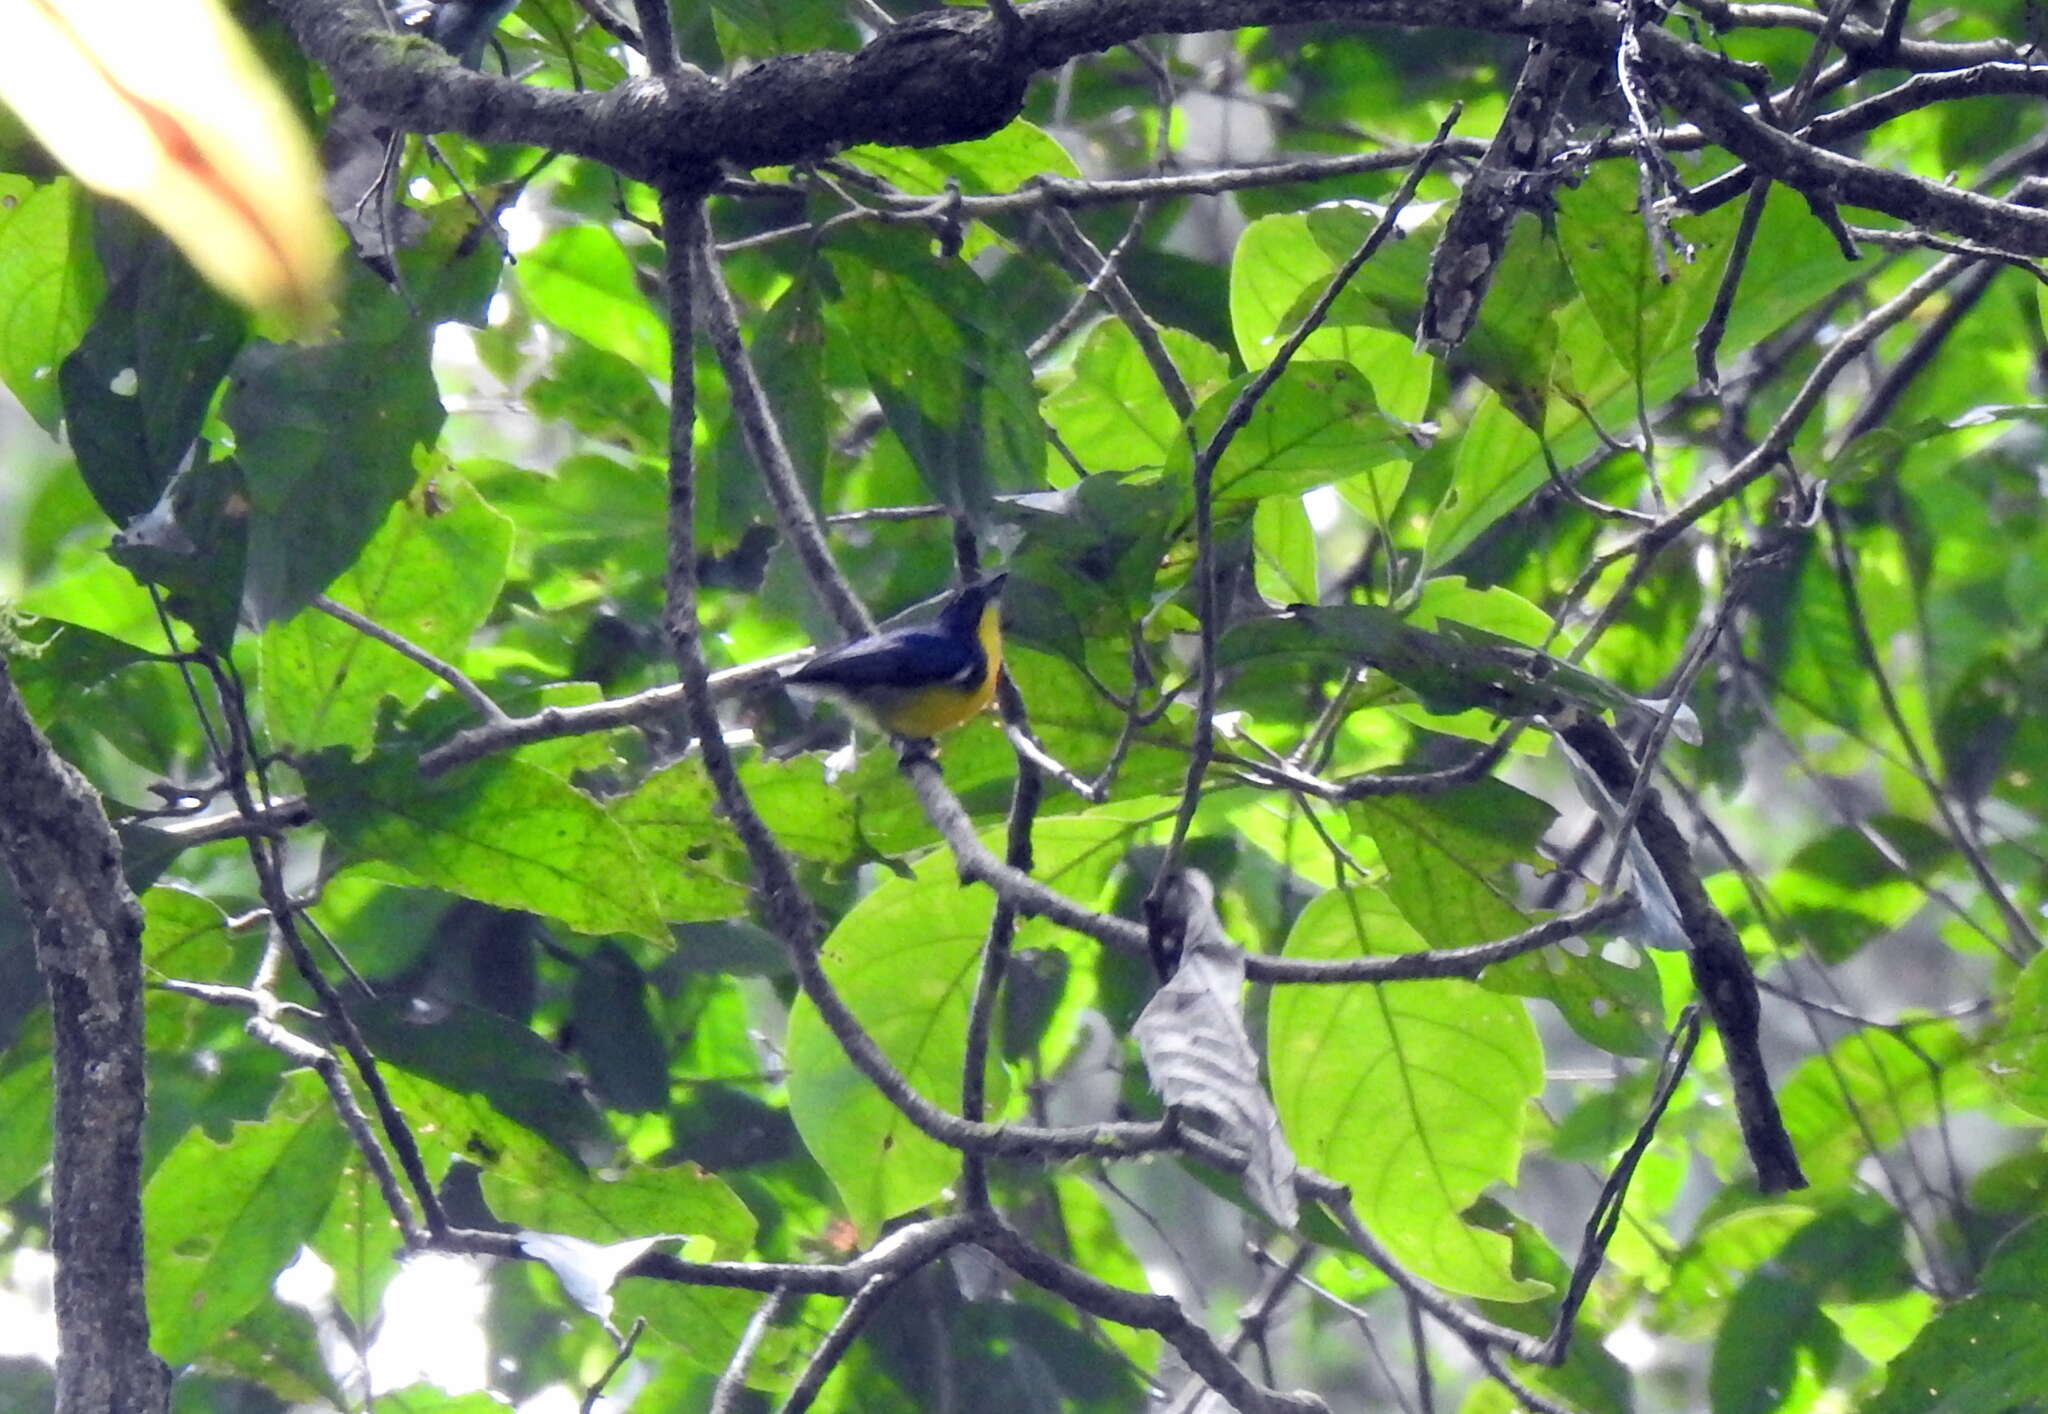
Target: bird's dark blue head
(962,614)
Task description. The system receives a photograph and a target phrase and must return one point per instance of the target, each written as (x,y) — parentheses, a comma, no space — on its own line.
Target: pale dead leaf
(1656,922)
(1192,1037)
(586,1269)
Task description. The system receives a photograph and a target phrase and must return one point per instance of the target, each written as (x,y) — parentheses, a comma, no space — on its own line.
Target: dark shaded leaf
(137,387)
(326,436)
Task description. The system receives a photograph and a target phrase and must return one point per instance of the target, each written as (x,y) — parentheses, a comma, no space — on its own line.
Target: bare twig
(237,762)
(2024,938)
(756,418)
(804,1392)
(733,1379)
(658,38)
(995,962)
(618,1362)
(1234,419)
(464,686)
(1145,1311)
(1100,274)
(1766,455)
(602,15)
(65,861)
(1607,1208)
(1720,969)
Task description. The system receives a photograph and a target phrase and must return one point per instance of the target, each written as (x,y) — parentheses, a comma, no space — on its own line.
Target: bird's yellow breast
(940,707)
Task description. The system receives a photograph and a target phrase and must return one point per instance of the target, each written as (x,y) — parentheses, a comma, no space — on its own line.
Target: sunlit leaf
(49,285)
(220,1220)
(1412,1093)
(904,960)
(500,831)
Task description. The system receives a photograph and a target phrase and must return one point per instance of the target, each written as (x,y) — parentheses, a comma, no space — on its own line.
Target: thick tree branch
(1827,176)
(1720,968)
(66,865)
(949,75)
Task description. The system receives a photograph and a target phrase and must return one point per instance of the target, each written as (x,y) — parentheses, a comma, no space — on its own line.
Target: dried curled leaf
(1192,1037)
(165,105)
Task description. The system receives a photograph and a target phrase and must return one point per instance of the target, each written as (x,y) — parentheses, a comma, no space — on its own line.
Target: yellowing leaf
(163,104)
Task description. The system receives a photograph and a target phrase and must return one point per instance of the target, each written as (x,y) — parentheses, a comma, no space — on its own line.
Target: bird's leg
(914,751)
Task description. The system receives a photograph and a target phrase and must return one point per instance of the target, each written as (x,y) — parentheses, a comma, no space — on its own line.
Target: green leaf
(197,555)
(100,598)
(579,279)
(1112,411)
(430,576)
(538,1188)
(1284,551)
(1455,670)
(25,1092)
(1777,1347)
(1087,563)
(1722,1254)
(797,802)
(762,28)
(1494,610)
(1449,857)
(697,873)
(220,1221)
(1590,1379)
(184,935)
(585,511)
(137,387)
(1281,266)
(1005,161)
(360,1242)
(1615,1006)
(1602,234)
(49,284)
(471,1051)
(788,346)
(540,1191)
(273,1345)
(614,1036)
(1411,1093)
(325,435)
(2017,1059)
(1001,162)
(946,365)
(1317,424)
(500,831)
(1872,1088)
(1497,464)
(904,960)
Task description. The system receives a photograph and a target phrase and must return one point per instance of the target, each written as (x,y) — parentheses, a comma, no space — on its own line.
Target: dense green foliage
(589,1022)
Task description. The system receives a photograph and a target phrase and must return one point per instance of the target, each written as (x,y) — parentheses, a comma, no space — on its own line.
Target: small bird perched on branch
(916,682)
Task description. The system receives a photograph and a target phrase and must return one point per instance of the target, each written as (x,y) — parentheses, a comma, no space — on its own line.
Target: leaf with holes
(501,832)
(220,1221)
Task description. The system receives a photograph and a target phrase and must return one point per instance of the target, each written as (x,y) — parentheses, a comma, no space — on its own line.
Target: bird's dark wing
(912,657)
